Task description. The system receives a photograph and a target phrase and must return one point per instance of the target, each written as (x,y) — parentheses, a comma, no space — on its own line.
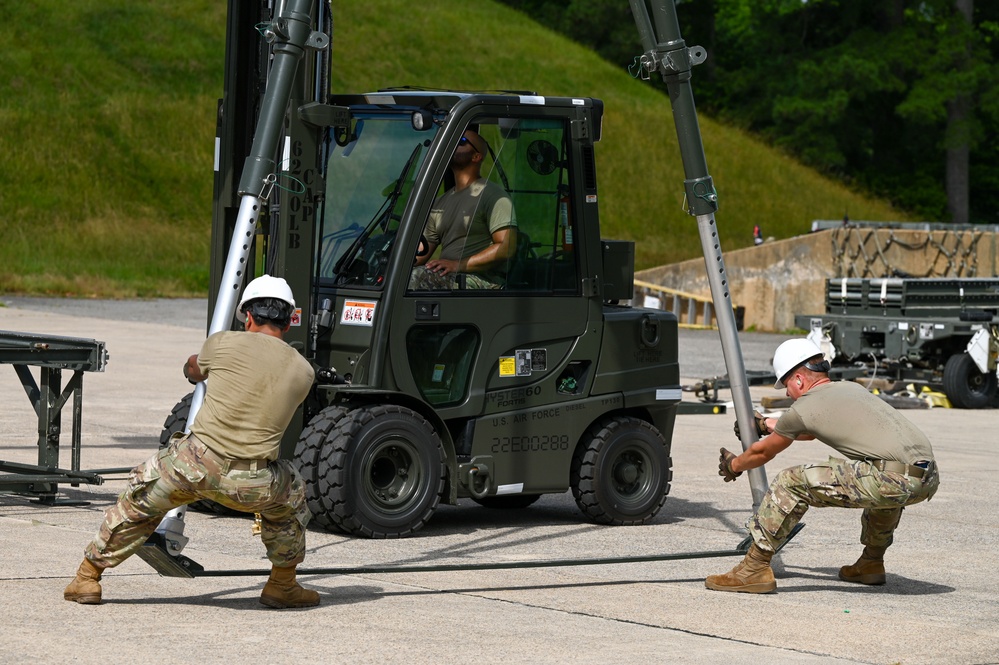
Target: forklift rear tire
(966,387)
(381,472)
(177,422)
(621,472)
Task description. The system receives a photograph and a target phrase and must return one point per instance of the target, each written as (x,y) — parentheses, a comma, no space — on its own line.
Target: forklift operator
(230,455)
(474,225)
(889,466)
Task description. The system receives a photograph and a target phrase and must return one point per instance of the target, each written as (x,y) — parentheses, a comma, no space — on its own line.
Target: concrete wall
(778,279)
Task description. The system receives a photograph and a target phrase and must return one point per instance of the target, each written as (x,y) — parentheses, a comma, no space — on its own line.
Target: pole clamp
(671,61)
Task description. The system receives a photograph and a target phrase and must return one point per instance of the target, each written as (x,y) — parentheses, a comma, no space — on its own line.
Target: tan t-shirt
(255,383)
(859,425)
(463,221)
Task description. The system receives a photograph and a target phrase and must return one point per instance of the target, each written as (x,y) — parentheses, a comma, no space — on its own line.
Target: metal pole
(669,55)
(290,34)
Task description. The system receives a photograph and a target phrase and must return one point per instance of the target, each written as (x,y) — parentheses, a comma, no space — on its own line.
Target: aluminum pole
(291,33)
(666,53)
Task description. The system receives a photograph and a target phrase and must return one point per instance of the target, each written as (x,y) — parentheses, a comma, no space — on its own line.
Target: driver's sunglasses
(464,140)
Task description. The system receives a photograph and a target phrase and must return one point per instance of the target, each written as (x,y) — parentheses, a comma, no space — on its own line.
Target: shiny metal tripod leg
(667,54)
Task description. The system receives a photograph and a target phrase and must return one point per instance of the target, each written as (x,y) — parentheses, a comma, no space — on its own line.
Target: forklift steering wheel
(423,248)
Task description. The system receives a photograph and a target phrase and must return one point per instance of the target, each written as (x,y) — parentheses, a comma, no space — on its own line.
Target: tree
(886,105)
(900,97)
(958,141)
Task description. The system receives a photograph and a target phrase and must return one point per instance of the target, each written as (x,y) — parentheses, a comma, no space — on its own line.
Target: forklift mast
(295,190)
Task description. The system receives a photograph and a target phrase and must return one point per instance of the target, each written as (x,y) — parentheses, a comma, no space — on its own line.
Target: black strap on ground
(181,566)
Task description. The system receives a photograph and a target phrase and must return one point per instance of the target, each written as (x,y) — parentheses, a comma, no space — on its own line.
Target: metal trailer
(918,330)
(52,354)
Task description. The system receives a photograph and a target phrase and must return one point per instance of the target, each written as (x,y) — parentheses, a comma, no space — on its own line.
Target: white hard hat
(791,354)
(265,286)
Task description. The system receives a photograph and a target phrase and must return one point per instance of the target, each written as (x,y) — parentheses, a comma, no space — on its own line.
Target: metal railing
(691,311)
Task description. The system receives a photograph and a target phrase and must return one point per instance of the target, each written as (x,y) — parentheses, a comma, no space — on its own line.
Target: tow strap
(154,553)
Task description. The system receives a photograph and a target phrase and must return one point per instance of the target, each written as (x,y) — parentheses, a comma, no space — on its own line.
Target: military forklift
(550,382)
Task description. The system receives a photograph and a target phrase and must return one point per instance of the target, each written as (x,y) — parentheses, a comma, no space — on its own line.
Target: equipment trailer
(941,331)
(52,354)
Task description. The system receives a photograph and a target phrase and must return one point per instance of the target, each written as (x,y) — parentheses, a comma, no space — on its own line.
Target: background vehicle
(501,395)
(912,330)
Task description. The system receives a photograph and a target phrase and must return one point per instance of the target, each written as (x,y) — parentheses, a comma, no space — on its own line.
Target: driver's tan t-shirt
(255,383)
(462,221)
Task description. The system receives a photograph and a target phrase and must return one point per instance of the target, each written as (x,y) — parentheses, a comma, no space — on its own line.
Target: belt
(915,470)
(231,463)
(245,464)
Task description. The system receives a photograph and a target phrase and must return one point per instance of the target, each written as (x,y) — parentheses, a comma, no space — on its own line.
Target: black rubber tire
(965,386)
(177,422)
(381,472)
(507,501)
(621,472)
(308,450)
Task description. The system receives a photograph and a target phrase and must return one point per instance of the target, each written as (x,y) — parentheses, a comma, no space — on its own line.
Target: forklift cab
(454,346)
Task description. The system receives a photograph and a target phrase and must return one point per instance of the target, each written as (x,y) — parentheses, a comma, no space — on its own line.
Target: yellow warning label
(508,366)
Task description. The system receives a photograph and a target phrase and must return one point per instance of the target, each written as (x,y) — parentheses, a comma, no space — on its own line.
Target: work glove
(725,466)
(759,420)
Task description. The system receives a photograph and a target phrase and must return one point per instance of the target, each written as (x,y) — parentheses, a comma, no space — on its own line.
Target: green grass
(107,121)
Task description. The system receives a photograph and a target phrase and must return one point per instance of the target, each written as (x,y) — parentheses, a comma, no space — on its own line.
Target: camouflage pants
(421,279)
(844,484)
(186,471)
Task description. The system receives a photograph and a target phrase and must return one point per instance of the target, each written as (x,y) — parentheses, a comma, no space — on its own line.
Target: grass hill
(107,120)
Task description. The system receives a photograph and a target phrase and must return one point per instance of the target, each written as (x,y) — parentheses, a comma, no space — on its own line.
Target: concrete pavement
(941,603)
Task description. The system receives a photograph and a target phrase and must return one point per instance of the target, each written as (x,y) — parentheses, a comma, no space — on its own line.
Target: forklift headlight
(422,120)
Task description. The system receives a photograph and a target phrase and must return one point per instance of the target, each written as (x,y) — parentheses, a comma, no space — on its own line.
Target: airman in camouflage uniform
(473,223)
(889,465)
(187,471)
(230,455)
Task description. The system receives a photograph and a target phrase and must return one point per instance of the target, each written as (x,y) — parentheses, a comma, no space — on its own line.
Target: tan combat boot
(282,591)
(869,569)
(86,586)
(752,575)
